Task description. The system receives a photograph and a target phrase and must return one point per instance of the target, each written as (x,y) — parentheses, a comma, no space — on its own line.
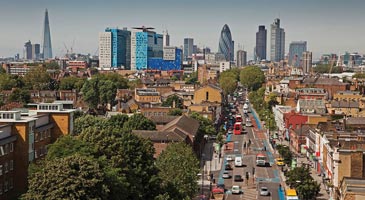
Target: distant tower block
(47,45)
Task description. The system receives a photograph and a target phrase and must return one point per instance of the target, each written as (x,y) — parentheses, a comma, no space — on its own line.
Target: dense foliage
(171,100)
(228,80)
(300,179)
(252,77)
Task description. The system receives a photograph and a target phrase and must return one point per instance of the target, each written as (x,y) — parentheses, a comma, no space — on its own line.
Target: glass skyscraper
(226,44)
(145,44)
(296,50)
(47,45)
(277,48)
(188,48)
(114,48)
(261,36)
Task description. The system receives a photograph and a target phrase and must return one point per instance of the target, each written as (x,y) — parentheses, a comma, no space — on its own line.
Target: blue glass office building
(120,48)
(147,45)
(166,65)
(296,50)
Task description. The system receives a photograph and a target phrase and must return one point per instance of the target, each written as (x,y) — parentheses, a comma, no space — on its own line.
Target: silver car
(264,191)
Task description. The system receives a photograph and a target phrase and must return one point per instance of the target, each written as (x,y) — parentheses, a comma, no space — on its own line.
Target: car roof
(264,188)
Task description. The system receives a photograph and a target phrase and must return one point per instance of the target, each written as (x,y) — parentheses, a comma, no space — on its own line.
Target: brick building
(208,93)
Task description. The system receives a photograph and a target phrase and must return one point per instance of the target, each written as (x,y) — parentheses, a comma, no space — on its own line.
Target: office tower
(296,50)
(277,49)
(47,45)
(195,49)
(28,50)
(226,44)
(261,36)
(145,44)
(307,61)
(188,48)
(114,48)
(241,58)
(36,48)
(166,39)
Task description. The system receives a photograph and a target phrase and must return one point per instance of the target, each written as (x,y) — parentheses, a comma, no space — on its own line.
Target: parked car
(264,191)
(236,189)
(217,190)
(230,158)
(226,175)
(228,167)
(238,178)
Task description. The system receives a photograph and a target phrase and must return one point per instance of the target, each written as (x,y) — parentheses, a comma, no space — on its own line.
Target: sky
(328,26)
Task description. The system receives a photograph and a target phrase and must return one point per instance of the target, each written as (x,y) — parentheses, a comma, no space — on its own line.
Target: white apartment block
(105,50)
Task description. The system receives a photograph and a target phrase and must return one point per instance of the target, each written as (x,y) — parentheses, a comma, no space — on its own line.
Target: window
(2,151)
(41,133)
(206,96)
(11,183)
(11,165)
(6,185)
(49,133)
(6,149)
(6,166)
(1,170)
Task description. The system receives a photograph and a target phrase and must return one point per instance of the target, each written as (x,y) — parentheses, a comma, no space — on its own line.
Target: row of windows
(8,185)
(6,167)
(5,149)
(40,152)
(155,114)
(6,115)
(48,107)
(39,136)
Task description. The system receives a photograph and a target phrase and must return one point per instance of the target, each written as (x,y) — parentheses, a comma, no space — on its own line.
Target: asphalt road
(264,176)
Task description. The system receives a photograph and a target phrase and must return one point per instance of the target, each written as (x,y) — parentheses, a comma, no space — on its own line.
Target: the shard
(47,45)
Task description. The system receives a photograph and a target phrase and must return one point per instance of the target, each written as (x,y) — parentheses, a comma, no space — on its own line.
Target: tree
(38,78)
(300,179)
(285,153)
(107,92)
(192,79)
(359,76)
(178,169)
(228,81)
(171,100)
(6,82)
(67,146)
(175,112)
(130,156)
(134,84)
(86,121)
(90,92)
(139,122)
(252,77)
(20,95)
(71,82)
(206,125)
(73,177)
(51,65)
(118,121)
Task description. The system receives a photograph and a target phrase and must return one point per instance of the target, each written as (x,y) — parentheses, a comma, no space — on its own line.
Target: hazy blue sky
(327,25)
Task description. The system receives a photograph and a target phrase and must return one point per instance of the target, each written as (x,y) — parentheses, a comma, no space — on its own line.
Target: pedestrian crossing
(249,193)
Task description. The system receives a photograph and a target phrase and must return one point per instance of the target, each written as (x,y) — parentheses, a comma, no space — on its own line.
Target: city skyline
(310,21)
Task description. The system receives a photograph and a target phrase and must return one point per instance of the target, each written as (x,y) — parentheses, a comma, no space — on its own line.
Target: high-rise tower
(277,48)
(188,48)
(47,45)
(296,50)
(261,36)
(226,44)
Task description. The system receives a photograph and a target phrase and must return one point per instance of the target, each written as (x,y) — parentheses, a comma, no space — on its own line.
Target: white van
(238,161)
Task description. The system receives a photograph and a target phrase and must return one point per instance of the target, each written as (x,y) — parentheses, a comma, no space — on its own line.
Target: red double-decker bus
(238,118)
(237,128)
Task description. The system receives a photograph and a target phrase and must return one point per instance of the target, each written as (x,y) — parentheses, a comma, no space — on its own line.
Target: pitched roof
(185,124)
(302,130)
(163,119)
(159,136)
(355,120)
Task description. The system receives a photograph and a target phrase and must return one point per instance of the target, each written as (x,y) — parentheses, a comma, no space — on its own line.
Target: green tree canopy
(86,121)
(73,177)
(359,75)
(300,179)
(325,68)
(170,101)
(192,79)
(90,92)
(175,112)
(206,125)
(7,82)
(38,78)
(20,95)
(285,153)
(228,80)
(252,77)
(178,169)
(71,82)
(139,122)
(118,121)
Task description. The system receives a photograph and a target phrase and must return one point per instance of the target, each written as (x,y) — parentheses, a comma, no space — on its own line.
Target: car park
(264,191)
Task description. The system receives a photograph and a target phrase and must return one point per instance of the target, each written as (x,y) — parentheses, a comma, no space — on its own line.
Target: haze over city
(328,26)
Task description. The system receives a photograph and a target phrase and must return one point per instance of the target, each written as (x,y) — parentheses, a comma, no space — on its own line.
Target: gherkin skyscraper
(226,44)
(47,45)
